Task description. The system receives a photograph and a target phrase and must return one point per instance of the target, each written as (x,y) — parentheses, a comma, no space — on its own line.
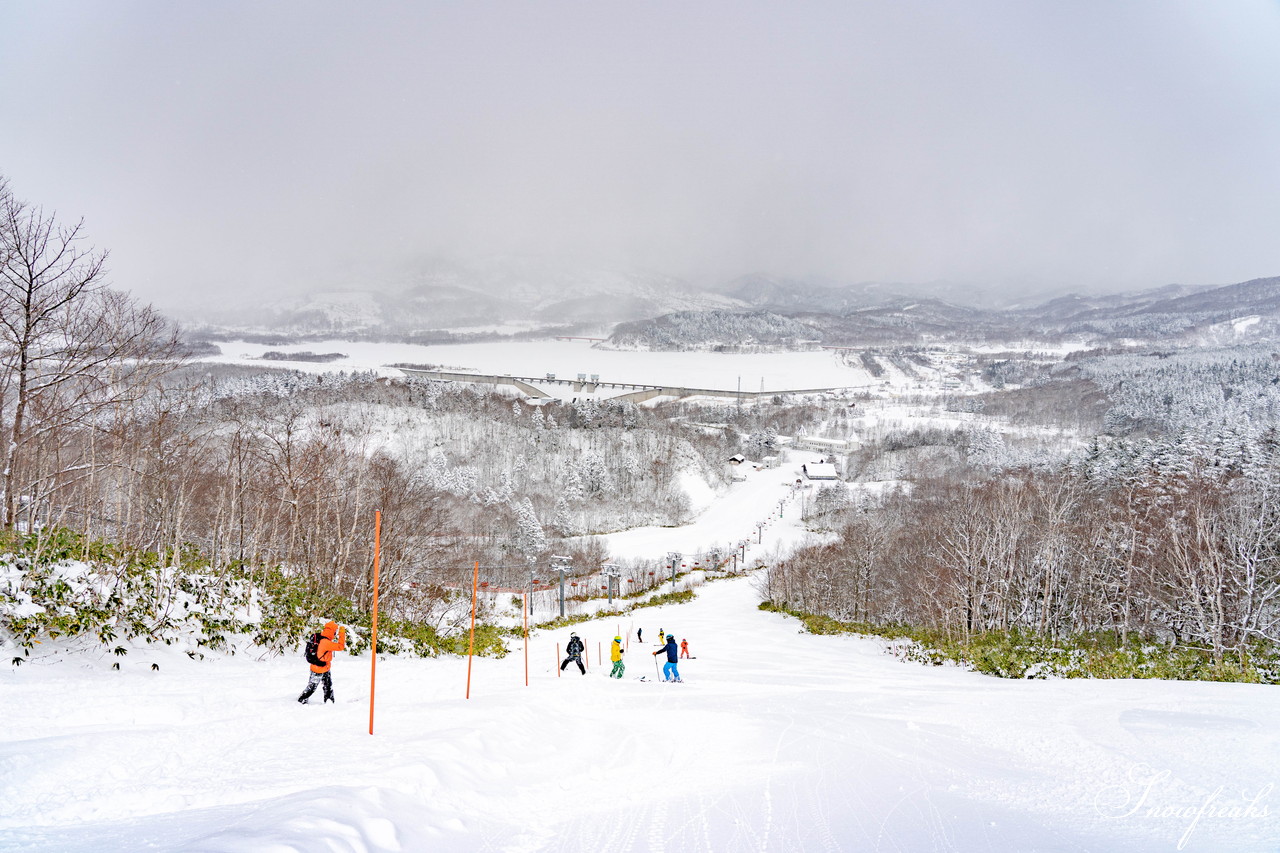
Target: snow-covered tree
(530,540)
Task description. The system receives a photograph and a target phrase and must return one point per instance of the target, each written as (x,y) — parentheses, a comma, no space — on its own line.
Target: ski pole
(655,667)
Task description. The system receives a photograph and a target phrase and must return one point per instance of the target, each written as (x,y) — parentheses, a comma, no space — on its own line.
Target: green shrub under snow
(61,589)
(1023,654)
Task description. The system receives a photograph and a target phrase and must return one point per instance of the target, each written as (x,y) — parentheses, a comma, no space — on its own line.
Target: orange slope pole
(471,645)
(373,668)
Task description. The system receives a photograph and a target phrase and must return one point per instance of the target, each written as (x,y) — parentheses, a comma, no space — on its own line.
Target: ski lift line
(483,587)
(468,568)
(490,568)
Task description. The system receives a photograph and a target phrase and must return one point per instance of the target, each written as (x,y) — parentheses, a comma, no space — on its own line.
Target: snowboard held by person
(319,653)
(669,671)
(574,651)
(615,655)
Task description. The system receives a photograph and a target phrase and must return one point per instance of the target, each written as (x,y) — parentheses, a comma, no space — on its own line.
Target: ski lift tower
(612,575)
(674,557)
(561,565)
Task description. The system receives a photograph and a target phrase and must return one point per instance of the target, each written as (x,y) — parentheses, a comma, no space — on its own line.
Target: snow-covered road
(778,740)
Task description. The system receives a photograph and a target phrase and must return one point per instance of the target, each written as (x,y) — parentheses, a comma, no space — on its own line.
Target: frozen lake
(566,359)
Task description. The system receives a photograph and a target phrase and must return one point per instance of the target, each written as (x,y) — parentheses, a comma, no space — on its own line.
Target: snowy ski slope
(778,741)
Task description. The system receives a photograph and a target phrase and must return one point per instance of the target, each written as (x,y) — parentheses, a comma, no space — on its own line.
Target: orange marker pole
(526,639)
(373,667)
(471,645)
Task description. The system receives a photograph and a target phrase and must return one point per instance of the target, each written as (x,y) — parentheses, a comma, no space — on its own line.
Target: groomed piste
(777,740)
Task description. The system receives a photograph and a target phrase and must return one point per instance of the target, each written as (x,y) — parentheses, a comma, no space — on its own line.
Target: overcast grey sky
(259,146)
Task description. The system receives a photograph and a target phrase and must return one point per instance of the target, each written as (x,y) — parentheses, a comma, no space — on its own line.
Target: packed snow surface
(777,740)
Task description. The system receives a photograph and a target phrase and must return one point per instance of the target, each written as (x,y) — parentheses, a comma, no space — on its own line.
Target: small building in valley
(820,471)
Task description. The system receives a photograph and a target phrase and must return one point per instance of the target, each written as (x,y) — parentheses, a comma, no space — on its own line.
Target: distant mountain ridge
(441,295)
(865,315)
(505,295)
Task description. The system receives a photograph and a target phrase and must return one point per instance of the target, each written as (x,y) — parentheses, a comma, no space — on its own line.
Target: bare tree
(70,347)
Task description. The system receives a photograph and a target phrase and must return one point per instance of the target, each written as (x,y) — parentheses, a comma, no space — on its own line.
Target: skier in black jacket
(574,649)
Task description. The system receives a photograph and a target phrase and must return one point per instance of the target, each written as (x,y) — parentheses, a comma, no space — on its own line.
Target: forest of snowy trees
(717,329)
(1167,529)
(285,469)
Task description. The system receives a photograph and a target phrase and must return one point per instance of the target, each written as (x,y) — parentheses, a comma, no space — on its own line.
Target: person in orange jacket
(684,648)
(331,639)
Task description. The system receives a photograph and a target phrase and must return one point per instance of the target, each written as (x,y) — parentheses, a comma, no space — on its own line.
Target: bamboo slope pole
(471,645)
(526,639)
(373,668)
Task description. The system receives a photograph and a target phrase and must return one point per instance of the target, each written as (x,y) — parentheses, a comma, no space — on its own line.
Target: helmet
(617,639)
(573,633)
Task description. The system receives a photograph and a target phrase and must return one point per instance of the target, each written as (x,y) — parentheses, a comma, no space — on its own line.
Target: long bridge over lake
(635,392)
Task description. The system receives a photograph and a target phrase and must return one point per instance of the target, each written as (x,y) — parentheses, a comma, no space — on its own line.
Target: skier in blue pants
(669,671)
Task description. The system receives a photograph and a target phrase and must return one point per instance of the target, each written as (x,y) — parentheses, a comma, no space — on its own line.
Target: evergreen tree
(574,492)
(562,518)
(530,539)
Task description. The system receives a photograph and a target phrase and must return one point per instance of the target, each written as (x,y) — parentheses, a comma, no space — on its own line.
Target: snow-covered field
(777,741)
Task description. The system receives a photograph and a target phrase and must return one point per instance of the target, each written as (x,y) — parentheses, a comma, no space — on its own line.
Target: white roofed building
(820,471)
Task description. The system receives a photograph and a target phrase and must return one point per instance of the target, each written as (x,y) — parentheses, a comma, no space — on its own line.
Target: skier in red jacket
(332,639)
